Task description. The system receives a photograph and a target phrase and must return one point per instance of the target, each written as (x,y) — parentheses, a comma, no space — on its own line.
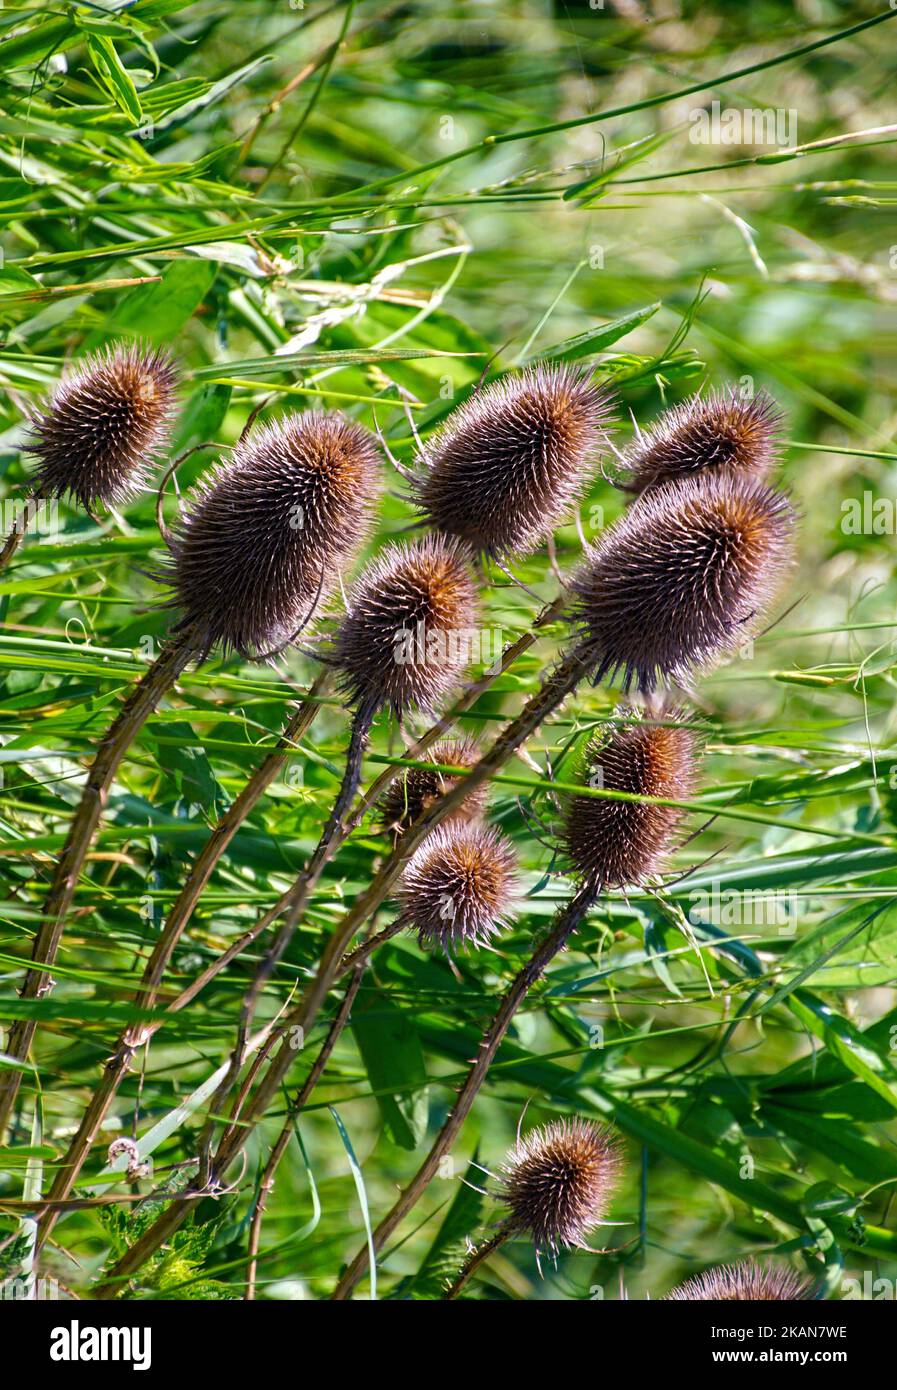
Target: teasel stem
(139,705)
(326,846)
(296,1106)
(138,1034)
(560,683)
(17,534)
(477,1256)
(568,918)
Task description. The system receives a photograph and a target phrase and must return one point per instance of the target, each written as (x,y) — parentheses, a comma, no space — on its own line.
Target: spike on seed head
(510,463)
(683,578)
(748,1281)
(618,844)
(267,533)
(722,431)
(104,424)
(460,887)
(416,788)
(558,1181)
(404,641)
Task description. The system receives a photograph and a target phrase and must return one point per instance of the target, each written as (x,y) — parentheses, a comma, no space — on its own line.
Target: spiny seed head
(723,431)
(616,844)
(267,533)
(416,788)
(406,637)
(745,1282)
(511,462)
(683,578)
(558,1181)
(460,887)
(104,426)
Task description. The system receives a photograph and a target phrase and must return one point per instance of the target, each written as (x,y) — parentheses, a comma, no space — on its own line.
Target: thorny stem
(139,705)
(563,679)
(476,1257)
(136,1035)
(567,920)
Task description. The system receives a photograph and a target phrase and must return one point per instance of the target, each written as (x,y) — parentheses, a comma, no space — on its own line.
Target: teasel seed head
(619,844)
(558,1181)
(748,1281)
(416,788)
(460,887)
(683,578)
(722,431)
(512,461)
(405,639)
(103,427)
(265,536)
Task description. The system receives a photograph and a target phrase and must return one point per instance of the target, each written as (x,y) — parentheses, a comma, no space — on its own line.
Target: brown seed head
(558,1181)
(405,640)
(511,462)
(720,431)
(745,1282)
(459,888)
(683,578)
(104,426)
(265,537)
(416,788)
(617,844)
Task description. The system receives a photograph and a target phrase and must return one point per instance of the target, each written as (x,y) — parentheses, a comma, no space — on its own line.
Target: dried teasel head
(416,788)
(406,637)
(748,1281)
(103,426)
(558,1182)
(511,462)
(683,578)
(265,536)
(619,844)
(460,887)
(722,431)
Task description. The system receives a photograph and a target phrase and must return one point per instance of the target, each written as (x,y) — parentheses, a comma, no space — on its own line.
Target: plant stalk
(139,705)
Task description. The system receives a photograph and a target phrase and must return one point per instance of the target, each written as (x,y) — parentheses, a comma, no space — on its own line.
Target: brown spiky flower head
(744,1282)
(683,578)
(416,788)
(264,540)
(615,843)
(558,1182)
(460,887)
(722,431)
(511,462)
(103,426)
(407,635)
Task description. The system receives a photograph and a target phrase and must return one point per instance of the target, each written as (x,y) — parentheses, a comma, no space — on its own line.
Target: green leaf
(393,1057)
(597,339)
(114,76)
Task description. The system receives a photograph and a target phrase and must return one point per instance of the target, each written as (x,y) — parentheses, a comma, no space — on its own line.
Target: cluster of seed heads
(722,432)
(510,463)
(104,426)
(418,787)
(682,579)
(749,1282)
(619,844)
(460,887)
(557,1183)
(268,533)
(404,641)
